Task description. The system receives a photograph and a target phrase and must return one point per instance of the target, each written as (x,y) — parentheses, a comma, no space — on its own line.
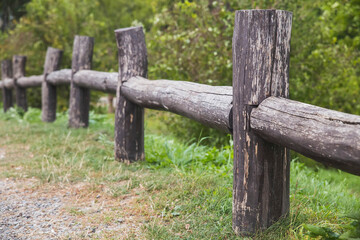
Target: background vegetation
(191,41)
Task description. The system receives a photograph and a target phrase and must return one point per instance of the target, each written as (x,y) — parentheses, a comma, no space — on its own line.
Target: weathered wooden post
(129,117)
(6,72)
(19,63)
(79,96)
(48,90)
(261,51)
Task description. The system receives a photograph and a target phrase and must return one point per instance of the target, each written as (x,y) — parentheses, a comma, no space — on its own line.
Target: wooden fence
(264,123)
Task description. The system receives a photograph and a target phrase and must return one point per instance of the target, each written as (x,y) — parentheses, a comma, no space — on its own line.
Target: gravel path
(32,211)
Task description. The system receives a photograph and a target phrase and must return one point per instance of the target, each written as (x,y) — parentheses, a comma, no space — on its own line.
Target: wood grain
(6,73)
(209,105)
(48,90)
(261,51)
(18,64)
(100,81)
(31,81)
(60,77)
(327,136)
(129,117)
(79,96)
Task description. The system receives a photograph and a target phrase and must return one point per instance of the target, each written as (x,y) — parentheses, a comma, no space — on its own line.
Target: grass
(184,189)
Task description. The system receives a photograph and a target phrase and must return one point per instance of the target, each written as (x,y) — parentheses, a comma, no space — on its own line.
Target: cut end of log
(83,38)
(263,10)
(52,60)
(128,29)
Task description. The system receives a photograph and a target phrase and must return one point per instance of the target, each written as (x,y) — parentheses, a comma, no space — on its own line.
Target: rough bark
(31,81)
(19,63)
(330,137)
(209,105)
(60,77)
(48,90)
(129,118)
(24,82)
(6,73)
(101,81)
(79,96)
(261,51)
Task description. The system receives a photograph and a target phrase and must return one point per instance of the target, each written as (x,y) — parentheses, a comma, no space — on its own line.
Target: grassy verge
(184,189)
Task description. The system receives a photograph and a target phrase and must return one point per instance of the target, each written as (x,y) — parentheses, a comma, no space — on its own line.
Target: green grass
(184,187)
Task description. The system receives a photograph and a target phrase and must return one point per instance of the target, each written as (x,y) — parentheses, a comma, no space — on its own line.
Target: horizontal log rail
(32,81)
(101,81)
(24,82)
(209,105)
(8,83)
(327,136)
(60,77)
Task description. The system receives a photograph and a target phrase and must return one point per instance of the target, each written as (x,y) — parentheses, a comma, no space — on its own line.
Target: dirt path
(30,210)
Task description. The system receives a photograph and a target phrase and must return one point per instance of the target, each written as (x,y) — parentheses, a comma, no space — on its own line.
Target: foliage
(353,231)
(169,152)
(55,23)
(191,41)
(11,9)
(326,57)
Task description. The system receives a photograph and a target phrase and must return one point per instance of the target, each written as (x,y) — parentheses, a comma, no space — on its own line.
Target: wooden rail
(61,77)
(327,136)
(255,110)
(209,105)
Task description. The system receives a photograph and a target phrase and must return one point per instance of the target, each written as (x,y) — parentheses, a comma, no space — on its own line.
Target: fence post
(6,72)
(19,63)
(48,90)
(79,96)
(129,117)
(261,52)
